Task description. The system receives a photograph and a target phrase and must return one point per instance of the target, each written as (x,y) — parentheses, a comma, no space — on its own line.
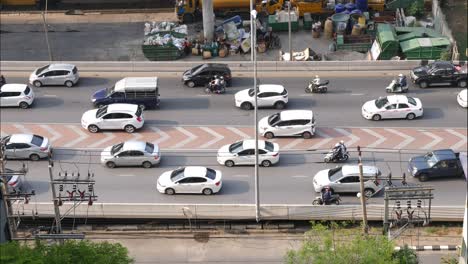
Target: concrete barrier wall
(229,211)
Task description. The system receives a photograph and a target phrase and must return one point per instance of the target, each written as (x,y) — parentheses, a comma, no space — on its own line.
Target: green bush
(416,9)
(70,252)
(406,255)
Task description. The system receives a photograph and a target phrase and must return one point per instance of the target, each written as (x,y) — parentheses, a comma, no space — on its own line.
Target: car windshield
(5,139)
(236,147)
(37,140)
(335,174)
(210,173)
(101,111)
(196,68)
(110,90)
(412,101)
(177,174)
(42,69)
(269,146)
(431,159)
(251,92)
(149,147)
(381,102)
(273,119)
(116,148)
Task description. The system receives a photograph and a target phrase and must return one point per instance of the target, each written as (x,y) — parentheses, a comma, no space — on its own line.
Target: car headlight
(415,170)
(93,100)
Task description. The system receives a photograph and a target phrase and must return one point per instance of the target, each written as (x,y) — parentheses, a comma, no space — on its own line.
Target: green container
(281,26)
(424,48)
(388,41)
(161,53)
(307,21)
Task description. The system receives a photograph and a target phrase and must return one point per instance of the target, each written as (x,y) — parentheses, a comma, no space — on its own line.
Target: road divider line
(55,135)
(217,136)
(327,138)
(108,137)
(460,143)
(164,135)
(379,141)
(407,141)
(294,143)
(436,140)
(300,176)
(187,133)
(239,132)
(82,135)
(346,133)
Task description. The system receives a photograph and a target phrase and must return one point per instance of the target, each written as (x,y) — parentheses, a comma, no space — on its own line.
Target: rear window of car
(27,90)
(210,174)
(412,101)
(269,146)
(149,147)
(75,70)
(138,112)
(37,140)
(285,92)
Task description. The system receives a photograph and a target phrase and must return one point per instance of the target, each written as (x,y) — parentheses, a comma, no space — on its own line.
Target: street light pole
(46,31)
(251,31)
(363,197)
(289,31)
(254,52)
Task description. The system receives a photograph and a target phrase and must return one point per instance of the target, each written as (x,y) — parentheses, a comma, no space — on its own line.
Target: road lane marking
(380,139)
(240,176)
(164,135)
(461,142)
(108,137)
(344,132)
(50,95)
(436,140)
(190,138)
(239,132)
(322,142)
(82,135)
(353,94)
(408,139)
(217,136)
(300,176)
(293,143)
(126,175)
(22,128)
(55,135)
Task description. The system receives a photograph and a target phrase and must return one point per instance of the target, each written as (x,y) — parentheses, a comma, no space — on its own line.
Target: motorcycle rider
(327,196)
(343,148)
(2,80)
(401,81)
(215,84)
(316,81)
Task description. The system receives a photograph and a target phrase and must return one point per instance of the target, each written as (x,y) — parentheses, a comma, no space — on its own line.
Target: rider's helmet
(342,142)
(400,75)
(216,76)
(316,76)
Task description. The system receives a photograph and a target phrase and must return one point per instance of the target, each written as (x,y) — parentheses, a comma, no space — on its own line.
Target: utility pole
(289,32)
(208,20)
(46,31)
(254,52)
(251,31)
(58,225)
(4,187)
(363,197)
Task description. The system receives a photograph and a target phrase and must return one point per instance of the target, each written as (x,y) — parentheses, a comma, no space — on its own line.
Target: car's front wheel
(376,117)
(462,83)
(423,177)
(229,163)
(190,84)
(368,192)
(170,191)
(269,135)
(280,105)
(110,164)
(37,83)
(93,128)
(246,106)
(423,84)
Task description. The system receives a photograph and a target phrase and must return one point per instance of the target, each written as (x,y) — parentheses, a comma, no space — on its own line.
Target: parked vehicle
(55,74)
(335,199)
(393,106)
(440,73)
(13,94)
(243,153)
(202,74)
(269,95)
(128,117)
(131,153)
(436,164)
(142,91)
(462,98)
(288,123)
(345,179)
(394,87)
(191,179)
(27,146)
(320,88)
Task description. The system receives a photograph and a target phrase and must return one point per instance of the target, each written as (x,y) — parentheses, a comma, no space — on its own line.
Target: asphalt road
(180,105)
(289,182)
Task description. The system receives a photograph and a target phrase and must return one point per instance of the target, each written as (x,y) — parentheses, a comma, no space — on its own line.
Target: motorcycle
(314,88)
(211,87)
(2,81)
(335,199)
(394,87)
(333,156)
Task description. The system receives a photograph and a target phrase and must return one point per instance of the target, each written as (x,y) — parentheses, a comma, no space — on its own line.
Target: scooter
(320,88)
(394,87)
(335,199)
(333,156)
(211,87)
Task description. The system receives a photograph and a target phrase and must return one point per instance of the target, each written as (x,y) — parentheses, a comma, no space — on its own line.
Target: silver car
(27,146)
(55,74)
(131,153)
(14,180)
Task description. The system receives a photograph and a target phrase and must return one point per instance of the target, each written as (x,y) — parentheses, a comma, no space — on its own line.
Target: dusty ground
(456,14)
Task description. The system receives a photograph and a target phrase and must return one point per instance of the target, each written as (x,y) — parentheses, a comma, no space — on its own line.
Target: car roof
(397,99)
(131,108)
(442,63)
(134,145)
(190,171)
(354,170)
(445,153)
(13,87)
(61,66)
(250,144)
(296,114)
(141,83)
(276,88)
(216,65)
(21,138)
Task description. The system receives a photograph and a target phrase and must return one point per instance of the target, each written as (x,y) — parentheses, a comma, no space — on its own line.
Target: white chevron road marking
(108,137)
(380,139)
(327,138)
(293,143)
(459,144)
(436,140)
(407,141)
(190,136)
(217,136)
(82,135)
(239,132)
(354,138)
(164,135)
(136,136)
(55,135)
(22,128)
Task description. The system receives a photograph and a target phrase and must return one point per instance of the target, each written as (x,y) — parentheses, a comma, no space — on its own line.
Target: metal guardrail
(230,211)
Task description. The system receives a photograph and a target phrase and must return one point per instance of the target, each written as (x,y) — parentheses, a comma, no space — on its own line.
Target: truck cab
(436,164)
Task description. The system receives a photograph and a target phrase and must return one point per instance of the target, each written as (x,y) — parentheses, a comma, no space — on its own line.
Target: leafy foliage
(416,9)
(406,255)
(70,252)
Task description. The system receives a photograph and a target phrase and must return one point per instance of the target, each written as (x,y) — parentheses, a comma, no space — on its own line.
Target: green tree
(334,244)
(416,9)
(70,252)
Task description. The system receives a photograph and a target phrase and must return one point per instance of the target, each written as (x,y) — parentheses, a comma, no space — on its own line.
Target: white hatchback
(13,94)
(128,117)
(462,98)
(288,123)
(191,179)
(269,95)
(394,106)
(243,153)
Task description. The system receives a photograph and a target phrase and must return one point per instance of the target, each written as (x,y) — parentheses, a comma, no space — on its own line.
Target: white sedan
(191,179)
(243,153)
(462,98)
(394,106)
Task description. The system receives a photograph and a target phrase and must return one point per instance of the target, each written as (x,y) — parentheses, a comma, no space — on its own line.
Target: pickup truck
(436,164)
(440,73)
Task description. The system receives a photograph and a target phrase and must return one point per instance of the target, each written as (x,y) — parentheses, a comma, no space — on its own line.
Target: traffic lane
(191,106)
(289,182)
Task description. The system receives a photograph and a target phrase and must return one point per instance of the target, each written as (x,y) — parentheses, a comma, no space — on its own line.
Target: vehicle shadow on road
(92,81)
(184,103)
(47,102)
(234,187)
(301,103)
(432,113)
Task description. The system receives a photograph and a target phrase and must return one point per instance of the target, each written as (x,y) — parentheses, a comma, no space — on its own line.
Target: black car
(438,163)
(439,73)
(202,74)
